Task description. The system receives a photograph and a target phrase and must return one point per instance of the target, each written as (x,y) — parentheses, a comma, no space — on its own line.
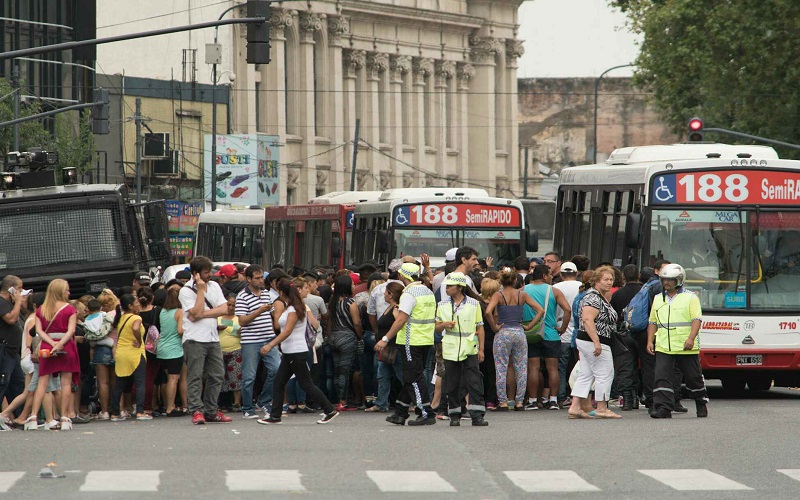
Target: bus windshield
(733,259)
(434,242)
(503,246)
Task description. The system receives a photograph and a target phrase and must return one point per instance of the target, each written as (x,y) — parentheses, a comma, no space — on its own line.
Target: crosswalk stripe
(549,481)
(263,480)
(792,473)
(121,480)
(693,480)
(410,481)
(7,480)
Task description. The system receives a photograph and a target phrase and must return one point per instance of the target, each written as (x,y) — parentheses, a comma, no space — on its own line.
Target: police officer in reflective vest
(675,320)
(462,348)
(416,320)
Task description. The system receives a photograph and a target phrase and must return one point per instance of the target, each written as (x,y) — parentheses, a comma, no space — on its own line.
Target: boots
(479,421)
(627,401)
(702,408)
(679,408)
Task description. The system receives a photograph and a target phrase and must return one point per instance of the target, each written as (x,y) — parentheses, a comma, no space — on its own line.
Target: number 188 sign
(722,187)
(456,214)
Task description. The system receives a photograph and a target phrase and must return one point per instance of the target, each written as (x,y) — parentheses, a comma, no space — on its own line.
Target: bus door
(315,248)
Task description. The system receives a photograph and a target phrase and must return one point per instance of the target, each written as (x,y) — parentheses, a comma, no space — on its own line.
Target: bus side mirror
(532,240)
(384,243)
(336,247)
(633,230)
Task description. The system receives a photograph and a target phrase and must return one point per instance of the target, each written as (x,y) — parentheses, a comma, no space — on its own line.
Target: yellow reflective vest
(674,321)
(461,341)
(421,322)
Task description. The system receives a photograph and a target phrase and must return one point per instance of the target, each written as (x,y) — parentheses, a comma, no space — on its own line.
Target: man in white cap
(570,287)
(449,258)
(416,316)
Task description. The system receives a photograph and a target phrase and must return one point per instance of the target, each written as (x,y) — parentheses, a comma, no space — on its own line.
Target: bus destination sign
(456,214)
(726,187)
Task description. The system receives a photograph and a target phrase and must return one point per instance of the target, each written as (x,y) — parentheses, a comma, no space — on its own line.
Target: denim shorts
(103,355)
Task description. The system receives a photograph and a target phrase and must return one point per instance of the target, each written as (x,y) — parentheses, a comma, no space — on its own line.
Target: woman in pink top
(55,324)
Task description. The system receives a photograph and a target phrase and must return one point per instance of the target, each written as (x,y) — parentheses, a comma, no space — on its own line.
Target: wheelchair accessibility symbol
(662,192)
(401,216)
(351,219)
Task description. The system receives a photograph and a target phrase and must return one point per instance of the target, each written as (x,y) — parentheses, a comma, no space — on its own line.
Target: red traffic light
(695,124)
(695,130)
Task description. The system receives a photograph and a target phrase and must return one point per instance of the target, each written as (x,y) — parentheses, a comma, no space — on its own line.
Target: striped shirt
(260,329)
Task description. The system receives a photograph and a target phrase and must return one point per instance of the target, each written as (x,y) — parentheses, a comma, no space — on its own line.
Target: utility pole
(355,156)
(138,118)
(525,175)
(15,86)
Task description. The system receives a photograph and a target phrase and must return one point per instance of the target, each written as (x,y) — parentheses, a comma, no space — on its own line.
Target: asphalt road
(747,448)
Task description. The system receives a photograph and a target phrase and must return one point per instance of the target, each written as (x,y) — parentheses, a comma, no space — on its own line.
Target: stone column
(310,24)
(465,72)
(338,27)
(422,68)
(445,71)
(377,65)
(514,50)
(481,143)
(399,67)
(353,62)
(275,86)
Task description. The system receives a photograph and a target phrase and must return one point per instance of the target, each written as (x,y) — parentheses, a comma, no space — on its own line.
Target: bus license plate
(749,360)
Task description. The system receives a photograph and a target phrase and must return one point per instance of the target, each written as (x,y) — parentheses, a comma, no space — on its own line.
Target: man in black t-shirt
(12,301)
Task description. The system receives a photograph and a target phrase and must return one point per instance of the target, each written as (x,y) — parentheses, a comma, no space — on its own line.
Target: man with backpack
(637,315)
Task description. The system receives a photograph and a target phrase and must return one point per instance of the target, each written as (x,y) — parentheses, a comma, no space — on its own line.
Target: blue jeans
(250,359)
(563,366)
(385,373)
(294,393)
(368,360)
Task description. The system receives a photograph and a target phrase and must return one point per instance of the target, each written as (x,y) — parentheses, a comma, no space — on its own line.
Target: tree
(31,134)
(731,62)
(74,140)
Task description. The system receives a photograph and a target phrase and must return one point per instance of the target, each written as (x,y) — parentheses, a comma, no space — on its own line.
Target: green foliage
(74,140)
(31,134)
(731,62)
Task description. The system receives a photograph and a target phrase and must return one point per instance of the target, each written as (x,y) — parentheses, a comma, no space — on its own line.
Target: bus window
(584,217)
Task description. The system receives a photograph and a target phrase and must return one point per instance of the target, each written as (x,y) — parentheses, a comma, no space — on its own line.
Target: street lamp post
(593,157)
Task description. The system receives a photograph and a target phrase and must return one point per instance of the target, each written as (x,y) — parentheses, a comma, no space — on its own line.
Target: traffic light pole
(752,137)
(47,113)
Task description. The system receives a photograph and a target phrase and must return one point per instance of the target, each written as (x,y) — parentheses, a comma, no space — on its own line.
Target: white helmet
(674,272)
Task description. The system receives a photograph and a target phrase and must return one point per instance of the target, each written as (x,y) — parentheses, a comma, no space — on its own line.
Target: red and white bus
(730,215)
(312,235)
(433,220)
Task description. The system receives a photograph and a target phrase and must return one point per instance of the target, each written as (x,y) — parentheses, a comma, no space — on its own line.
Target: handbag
(536,333)
(388,354)
(151,337)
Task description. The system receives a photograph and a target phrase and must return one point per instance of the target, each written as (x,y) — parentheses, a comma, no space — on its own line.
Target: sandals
(610,414)
(66,424)
(374,409)
(581,415)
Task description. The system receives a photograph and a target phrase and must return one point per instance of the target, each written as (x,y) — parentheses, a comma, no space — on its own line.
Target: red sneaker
(219,418)
(340,407)
(198,418)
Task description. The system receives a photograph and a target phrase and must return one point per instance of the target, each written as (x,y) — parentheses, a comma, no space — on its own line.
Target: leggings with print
(510,345)
(344,354)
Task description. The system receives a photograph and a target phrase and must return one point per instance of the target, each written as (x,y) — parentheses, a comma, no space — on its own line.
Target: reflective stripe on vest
(422,320)
(674,323)
(461,342)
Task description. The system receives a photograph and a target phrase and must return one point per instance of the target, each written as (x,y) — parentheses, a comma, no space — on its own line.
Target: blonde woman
(56,320)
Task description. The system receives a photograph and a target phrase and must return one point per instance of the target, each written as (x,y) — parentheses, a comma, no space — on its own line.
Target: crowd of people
(439,344)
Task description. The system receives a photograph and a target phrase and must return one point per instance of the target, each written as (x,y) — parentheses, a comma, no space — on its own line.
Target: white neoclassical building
(432,84)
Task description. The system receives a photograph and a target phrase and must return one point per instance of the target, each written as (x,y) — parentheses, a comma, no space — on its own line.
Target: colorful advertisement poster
(268,185)
(190,213)
(236,183)
(174,214)
(181,245)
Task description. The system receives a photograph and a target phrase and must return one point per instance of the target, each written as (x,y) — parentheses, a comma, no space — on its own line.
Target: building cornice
(412,15)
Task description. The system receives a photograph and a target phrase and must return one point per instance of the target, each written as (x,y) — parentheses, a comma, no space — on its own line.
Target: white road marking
(7,480)
(121,480)
(792,473)
(410,481)
(263,480)
(549,481)
(693,480)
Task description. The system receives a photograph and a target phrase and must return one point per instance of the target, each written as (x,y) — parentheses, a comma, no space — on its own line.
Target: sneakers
(552,405)
(81,419)
(197,418)
(429,420)
(327,417)
(286,410)
(143,416)
(103,415)
(679,408)
(118,418)
(702,409)
(341,407)
(533,405)
(124,414)
(218,418)
(269,421)
(249,415)
(396,419)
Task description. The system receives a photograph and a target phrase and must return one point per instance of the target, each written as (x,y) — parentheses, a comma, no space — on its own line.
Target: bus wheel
(733,385)
(759,384)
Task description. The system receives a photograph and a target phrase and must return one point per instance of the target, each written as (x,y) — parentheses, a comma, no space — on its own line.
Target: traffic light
(695,130)
(258,33)
(100,112)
